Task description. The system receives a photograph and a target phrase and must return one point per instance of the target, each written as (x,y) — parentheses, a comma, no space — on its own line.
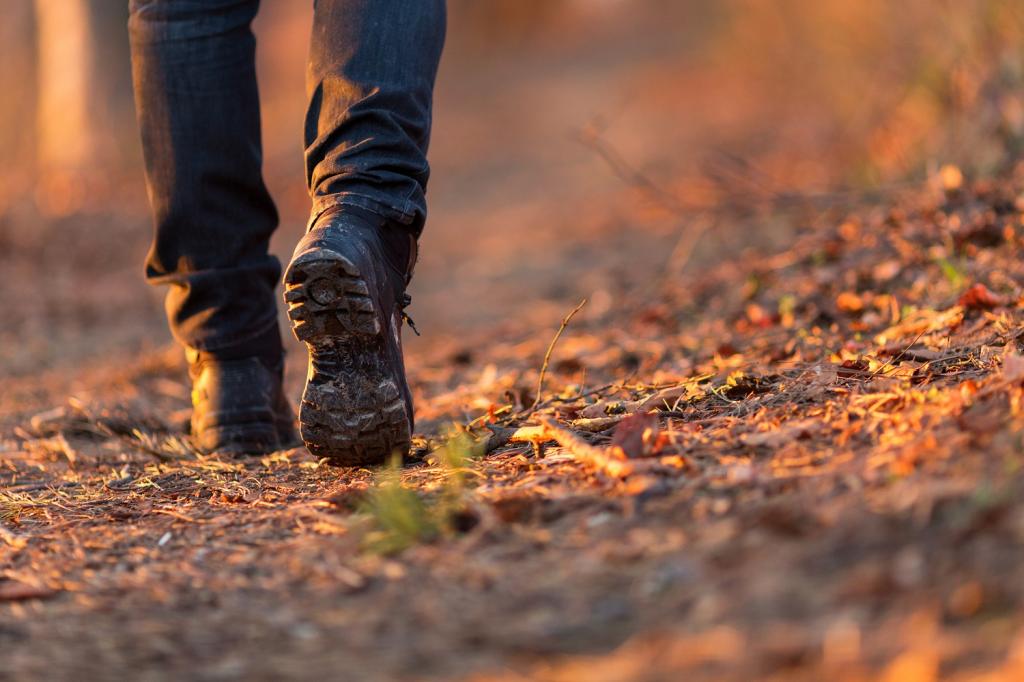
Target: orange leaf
(980,297)
(15,591)
(849,302)
(1013,367)
(636,434)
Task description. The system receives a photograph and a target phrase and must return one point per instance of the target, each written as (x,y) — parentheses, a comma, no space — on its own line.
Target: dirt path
(808,467)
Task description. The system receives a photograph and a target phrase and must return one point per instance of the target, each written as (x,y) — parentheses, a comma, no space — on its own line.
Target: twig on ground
(897,358)
(547,355)
(601,459)
(596,424)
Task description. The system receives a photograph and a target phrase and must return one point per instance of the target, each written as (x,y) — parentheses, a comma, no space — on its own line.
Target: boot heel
(353,412)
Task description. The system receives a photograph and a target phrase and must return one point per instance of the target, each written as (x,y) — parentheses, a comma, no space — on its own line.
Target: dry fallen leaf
(951,177)
(912,666)
(635,435)
(980,297)
(12,539)
(598,409)
(1013,367)
(849,302)
(15,591)
(782,436)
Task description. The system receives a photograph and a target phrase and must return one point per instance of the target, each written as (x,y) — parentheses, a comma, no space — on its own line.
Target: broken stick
(608,461)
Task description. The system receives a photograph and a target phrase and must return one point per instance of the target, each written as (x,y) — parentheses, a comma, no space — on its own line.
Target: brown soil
(793,415)
(827,484)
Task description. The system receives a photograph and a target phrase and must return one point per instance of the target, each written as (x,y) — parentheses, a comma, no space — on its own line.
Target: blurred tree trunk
(66,134)
(480,27)
(17,83)
(85,135)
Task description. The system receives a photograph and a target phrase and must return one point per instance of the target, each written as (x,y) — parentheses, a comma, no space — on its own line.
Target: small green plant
(399,515)
(787,305)
(952,273)
(456,457)
(403,517)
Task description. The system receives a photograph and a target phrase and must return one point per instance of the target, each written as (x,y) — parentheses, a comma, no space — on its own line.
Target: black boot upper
(238,403)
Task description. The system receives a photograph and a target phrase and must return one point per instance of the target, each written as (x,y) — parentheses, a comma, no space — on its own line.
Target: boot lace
(404,303)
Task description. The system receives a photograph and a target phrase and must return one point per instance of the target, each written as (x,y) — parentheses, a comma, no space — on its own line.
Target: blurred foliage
(847,93)
(902,84)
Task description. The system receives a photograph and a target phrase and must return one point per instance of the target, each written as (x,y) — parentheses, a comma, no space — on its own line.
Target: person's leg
(371,77)
(370,83)
(193,64)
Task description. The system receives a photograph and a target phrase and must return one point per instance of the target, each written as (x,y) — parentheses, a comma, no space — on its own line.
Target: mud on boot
(344,289)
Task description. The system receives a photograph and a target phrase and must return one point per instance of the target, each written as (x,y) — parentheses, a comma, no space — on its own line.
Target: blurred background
(576,142)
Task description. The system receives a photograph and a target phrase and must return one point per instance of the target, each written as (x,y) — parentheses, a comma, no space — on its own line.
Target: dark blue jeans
(370,81)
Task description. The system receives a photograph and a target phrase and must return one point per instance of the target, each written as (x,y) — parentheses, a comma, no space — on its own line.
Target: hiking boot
(238,404)
(345,292)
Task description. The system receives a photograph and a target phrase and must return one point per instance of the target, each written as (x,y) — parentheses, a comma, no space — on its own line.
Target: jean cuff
(407,214)
(227,342)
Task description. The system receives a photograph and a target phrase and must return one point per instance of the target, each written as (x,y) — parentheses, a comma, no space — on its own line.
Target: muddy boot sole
(352,410)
